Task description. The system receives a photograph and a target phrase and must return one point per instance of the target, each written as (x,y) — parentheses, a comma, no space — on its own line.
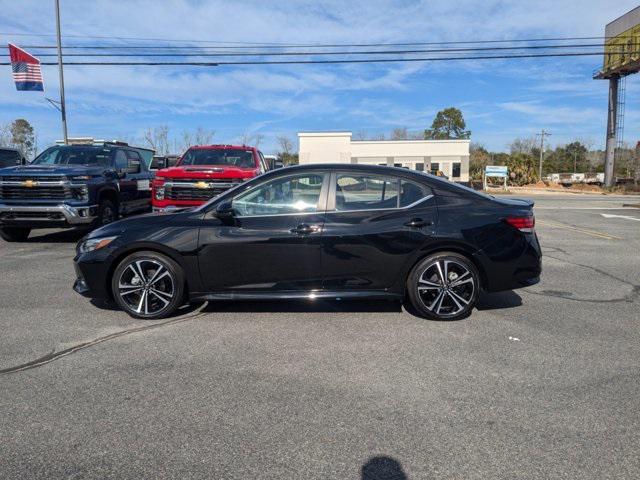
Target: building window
(434,168)
(420,167)
(455,171)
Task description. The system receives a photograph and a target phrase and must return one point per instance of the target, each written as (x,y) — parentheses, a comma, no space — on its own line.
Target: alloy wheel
(446,287)
(146,286)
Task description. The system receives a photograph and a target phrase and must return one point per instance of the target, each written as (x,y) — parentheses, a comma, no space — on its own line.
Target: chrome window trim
(424,199)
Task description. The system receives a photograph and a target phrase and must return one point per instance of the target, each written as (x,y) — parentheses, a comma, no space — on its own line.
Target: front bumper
(41,215)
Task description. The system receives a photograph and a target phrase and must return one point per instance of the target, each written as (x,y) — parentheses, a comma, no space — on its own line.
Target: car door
(141,181)
(373,227)
(273,241)
(126,184)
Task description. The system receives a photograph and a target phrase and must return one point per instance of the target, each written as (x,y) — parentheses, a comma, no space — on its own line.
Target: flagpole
(61,75)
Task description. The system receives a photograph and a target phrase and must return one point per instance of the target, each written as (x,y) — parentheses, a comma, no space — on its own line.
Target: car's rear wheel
(14,234)
(444,286)
(148,285)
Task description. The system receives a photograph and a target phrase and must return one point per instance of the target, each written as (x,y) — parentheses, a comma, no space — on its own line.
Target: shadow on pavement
(499,300)
(71,235)
(317,305)
(383,468)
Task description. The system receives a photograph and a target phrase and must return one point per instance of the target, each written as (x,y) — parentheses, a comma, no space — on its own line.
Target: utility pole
(542,135)
(63,110)
(612,127)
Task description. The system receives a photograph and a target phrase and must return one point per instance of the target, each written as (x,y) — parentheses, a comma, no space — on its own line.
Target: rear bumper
(46,215)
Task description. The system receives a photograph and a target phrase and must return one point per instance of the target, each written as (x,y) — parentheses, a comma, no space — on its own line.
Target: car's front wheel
(14,234)
(148,285)
(444,286)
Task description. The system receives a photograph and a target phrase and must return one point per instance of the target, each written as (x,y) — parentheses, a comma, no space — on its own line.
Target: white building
(448,156)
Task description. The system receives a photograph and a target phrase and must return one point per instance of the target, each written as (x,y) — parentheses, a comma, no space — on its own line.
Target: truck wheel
(14,234)
(107,213)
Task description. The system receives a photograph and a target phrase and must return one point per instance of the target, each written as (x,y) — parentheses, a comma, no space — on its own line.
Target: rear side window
(411,192)
(366,192)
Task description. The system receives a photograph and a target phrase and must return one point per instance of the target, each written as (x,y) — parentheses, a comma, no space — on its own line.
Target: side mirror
(224,211)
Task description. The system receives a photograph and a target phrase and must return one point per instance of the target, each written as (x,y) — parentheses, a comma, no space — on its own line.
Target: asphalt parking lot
(542,382)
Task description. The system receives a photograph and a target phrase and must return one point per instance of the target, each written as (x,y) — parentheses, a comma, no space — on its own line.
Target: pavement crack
(55,355)
(631,297)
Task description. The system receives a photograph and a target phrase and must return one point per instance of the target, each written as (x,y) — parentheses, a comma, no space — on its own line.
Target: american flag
(26,70)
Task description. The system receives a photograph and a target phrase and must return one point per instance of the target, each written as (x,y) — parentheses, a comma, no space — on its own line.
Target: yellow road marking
(592,233)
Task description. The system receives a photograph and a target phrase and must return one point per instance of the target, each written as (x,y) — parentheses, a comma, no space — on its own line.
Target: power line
(308,53)
(240,44)
(341,61)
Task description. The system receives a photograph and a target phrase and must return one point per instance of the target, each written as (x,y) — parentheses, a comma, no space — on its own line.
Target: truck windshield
(228,156)
(74,155)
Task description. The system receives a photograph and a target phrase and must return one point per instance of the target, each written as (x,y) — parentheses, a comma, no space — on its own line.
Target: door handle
(418,223)
(304,229)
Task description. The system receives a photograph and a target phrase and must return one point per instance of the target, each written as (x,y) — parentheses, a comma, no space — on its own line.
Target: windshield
(74,155)
(221,156)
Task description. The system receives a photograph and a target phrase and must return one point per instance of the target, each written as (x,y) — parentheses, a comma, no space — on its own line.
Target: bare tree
(285,143)
(399,133)
(361,135)
(523,145)
(5,136)
(378,136)
(203,136)
(158,139)
(252,139)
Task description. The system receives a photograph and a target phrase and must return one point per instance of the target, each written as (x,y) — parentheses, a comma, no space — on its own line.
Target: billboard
(622,45)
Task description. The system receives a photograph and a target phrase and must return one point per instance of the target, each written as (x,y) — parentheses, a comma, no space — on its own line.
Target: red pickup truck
(204,172)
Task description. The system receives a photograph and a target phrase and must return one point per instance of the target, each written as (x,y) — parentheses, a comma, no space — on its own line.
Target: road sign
(495,171)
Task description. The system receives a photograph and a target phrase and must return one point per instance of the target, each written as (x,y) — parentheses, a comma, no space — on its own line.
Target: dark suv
(73,185)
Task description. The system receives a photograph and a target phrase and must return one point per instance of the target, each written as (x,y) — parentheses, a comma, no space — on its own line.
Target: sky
(500,100)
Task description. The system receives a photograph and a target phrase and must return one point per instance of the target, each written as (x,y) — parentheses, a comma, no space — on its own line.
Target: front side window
(366,192)
(74,155)
(229,157)
(121,161)
(282,196)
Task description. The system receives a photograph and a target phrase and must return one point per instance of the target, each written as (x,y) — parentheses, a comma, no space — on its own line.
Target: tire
(107,213)
(461,286)
(159,292)
(15,234)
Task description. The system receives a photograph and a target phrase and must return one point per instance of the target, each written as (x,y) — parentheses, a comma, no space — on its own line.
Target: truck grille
(18,191)
(186,190)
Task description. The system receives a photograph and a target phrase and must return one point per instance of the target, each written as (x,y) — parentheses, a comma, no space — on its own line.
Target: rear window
(229,157)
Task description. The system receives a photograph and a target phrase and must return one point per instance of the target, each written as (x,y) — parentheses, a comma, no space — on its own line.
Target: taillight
(524,224)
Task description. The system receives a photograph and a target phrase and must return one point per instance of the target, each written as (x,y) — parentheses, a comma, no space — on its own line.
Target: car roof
(11,149)
(439,183)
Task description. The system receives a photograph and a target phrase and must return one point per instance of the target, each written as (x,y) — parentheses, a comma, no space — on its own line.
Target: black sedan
(318,231)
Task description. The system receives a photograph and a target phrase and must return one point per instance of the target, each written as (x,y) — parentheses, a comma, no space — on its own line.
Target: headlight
(94,244)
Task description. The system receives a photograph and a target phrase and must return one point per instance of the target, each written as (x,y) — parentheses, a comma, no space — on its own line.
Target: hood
(206,172)
(53,170)
(136,222)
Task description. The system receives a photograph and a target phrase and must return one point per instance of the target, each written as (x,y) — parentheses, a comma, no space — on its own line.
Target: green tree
(522,169)
(479,158)
(448,124)
(23,137)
